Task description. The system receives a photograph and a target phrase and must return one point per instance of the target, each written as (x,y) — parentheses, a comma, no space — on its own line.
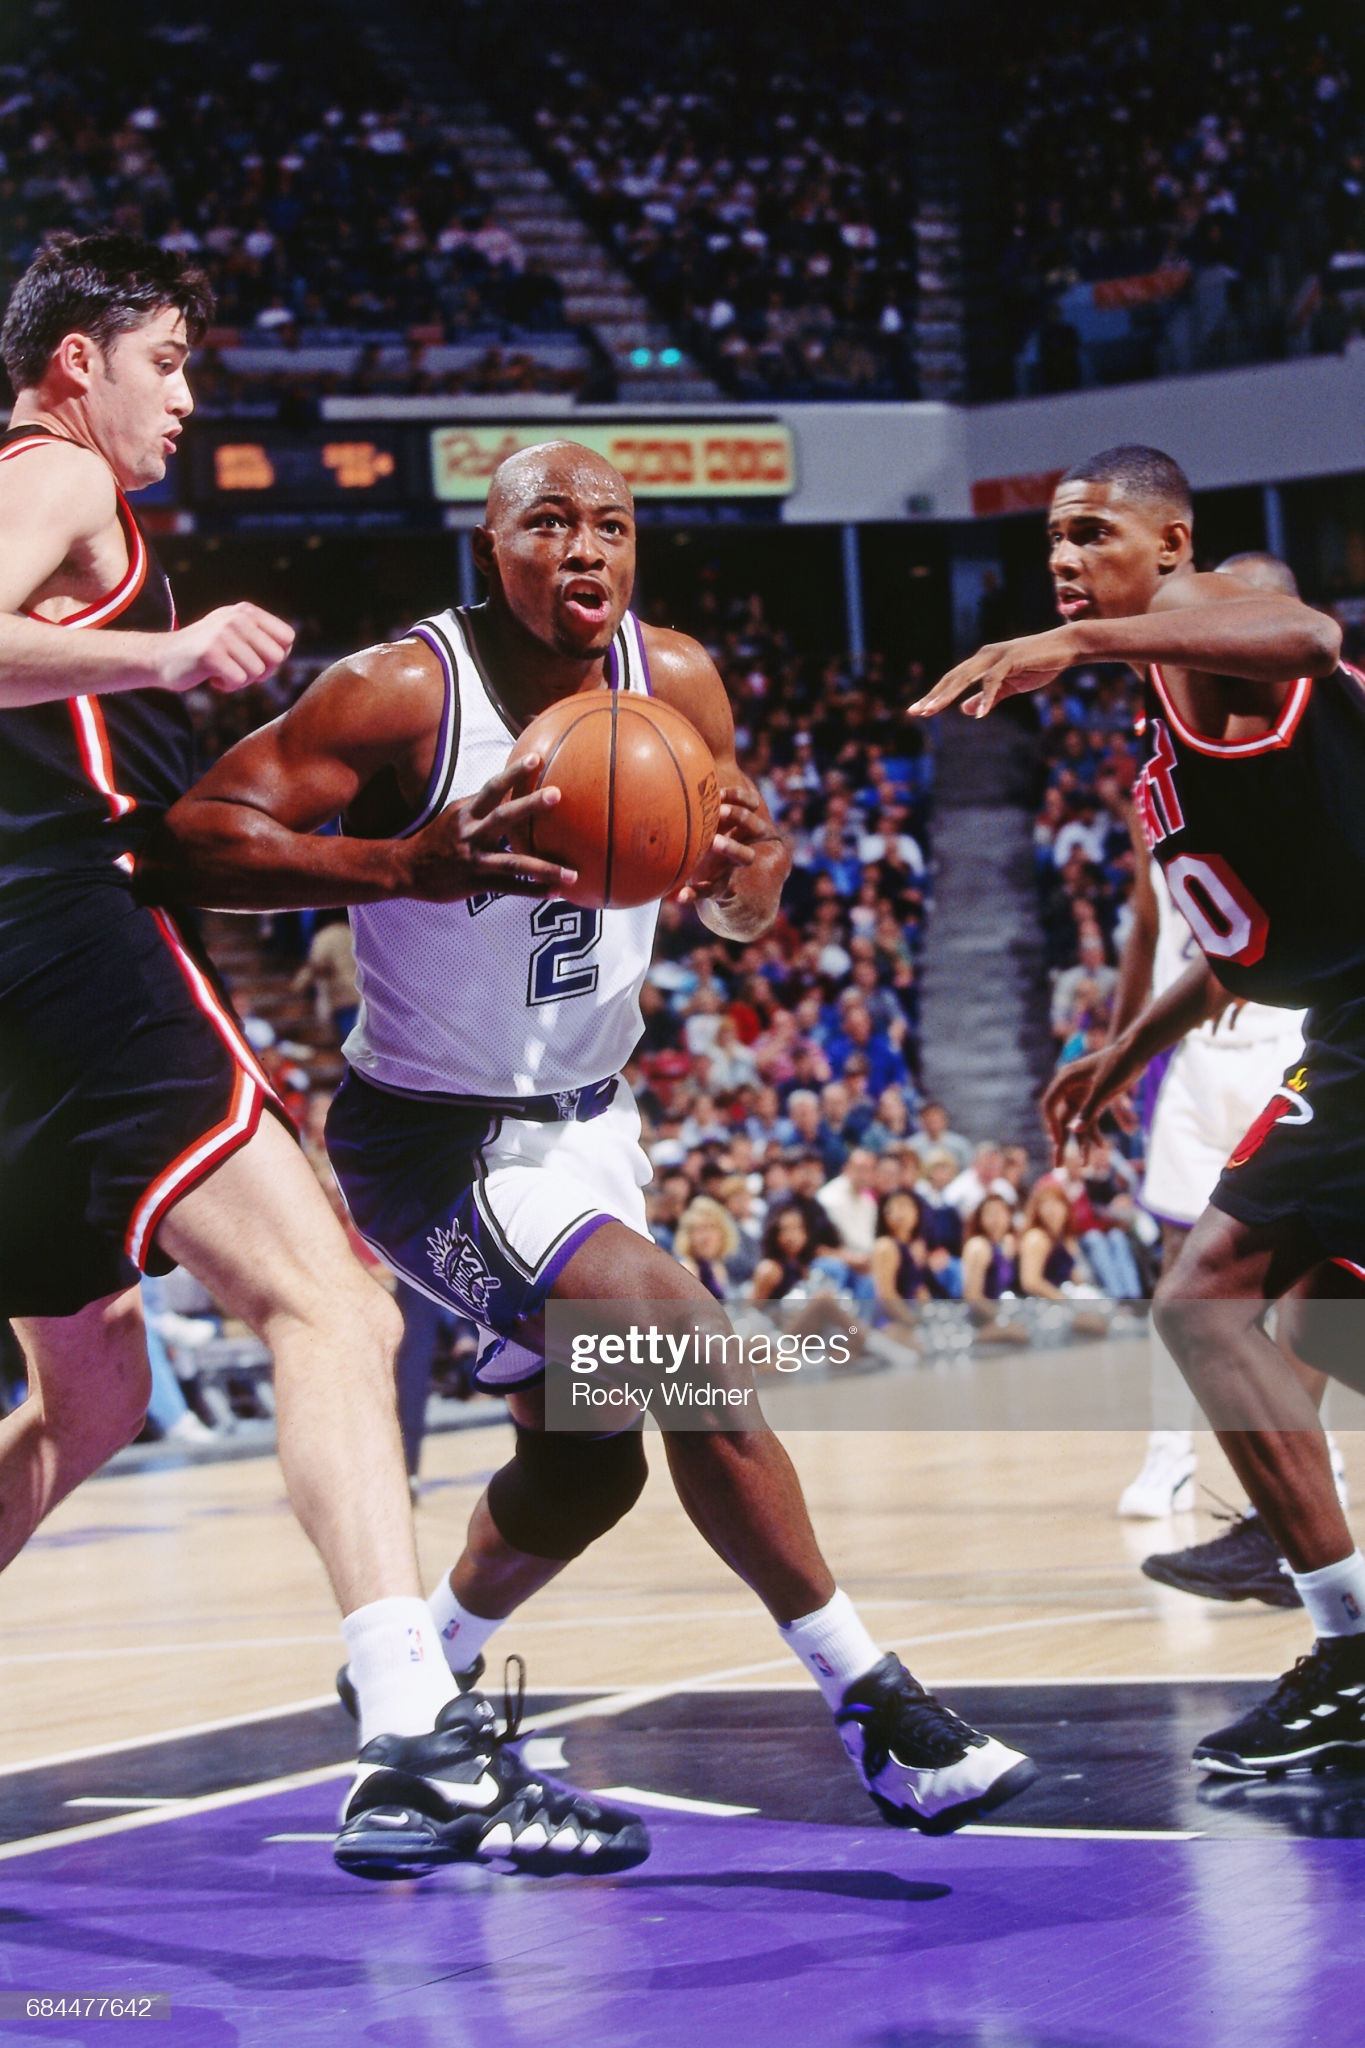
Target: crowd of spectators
(1219,153)
(776,222)
(323,200)
(761,178)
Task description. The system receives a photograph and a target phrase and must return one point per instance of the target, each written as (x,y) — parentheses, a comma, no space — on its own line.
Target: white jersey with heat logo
(496,995)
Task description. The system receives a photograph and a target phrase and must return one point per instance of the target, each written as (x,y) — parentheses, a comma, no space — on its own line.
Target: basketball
(638,796)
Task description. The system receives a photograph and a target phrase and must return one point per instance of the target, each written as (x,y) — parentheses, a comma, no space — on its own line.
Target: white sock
(400,1676)
(1335,1596)
(834,1647)
(462,1634)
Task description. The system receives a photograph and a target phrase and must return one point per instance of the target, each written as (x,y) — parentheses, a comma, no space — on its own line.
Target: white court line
(177,1649)
(603,1705)
(606,1696)
(646,1695)
(80,1756)
(308,1706)
(632,1795)
(1087,1834)
(209,1802)
(129,1802)
(664,1619)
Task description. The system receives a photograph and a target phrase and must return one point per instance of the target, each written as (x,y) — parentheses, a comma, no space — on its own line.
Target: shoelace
(1306,1677)
(512,1707)
(929,1718)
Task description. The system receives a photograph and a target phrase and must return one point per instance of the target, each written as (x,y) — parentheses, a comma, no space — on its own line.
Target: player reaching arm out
(1127,589)
(739,883)
(363,735)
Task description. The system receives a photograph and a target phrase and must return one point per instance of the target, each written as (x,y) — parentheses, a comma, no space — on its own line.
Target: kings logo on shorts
(462,1266)
(1288,1105)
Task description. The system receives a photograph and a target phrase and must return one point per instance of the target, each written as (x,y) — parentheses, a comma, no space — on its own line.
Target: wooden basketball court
(174,1596)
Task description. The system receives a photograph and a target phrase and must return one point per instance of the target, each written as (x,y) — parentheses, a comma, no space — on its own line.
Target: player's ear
(1177,545)
(73,360)
(482,542)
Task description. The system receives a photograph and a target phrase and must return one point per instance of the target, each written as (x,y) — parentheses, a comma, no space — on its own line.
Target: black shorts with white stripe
(125,1079)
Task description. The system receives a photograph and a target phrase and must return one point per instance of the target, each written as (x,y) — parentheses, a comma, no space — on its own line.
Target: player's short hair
(1140,473)
(102,285)
(1266,570)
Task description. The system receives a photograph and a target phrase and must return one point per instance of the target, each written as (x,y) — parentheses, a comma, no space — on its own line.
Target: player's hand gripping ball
(639,803)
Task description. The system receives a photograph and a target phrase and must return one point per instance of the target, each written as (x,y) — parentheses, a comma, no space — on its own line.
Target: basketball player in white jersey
(483,1139)
(1203,1096)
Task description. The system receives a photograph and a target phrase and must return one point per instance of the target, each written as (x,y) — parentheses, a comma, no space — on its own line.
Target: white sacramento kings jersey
(496,995)
(1177,946)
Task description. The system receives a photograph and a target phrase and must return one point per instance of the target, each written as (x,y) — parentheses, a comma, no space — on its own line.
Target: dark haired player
(483,1140)
(136,1129)
(1251,802)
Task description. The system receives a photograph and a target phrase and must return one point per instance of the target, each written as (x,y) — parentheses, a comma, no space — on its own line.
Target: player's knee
(383,1320)
(558,1494)
(1194,1320)
(103,1405)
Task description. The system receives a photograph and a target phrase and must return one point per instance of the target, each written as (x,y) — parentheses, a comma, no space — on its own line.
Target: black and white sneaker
(1314,1717)
(1244,1563)
(923,1766)
(463,1795)
(465,1681)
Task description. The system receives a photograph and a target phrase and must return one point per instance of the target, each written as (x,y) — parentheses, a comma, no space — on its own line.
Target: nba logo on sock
(451,1630)
(416,1652)
(822,1664)
(1352,1606)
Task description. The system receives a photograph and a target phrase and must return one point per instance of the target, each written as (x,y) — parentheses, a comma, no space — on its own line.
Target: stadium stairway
(524,199)
(987,1048)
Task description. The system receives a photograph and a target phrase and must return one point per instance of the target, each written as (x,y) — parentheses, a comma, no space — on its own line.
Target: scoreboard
(241,473)
(237,468)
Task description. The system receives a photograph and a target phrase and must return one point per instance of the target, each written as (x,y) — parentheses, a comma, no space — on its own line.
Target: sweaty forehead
(1109,501)
(1076,500)
(559,469)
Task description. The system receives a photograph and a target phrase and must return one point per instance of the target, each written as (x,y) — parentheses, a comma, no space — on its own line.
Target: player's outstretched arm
(54,504)
(738,886)
(1080,1092)
(1204,623)
(245,837)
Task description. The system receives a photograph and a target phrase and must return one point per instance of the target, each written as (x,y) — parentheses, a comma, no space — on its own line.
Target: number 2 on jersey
(567,932)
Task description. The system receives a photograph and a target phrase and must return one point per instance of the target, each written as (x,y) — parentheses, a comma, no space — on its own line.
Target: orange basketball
(638,796)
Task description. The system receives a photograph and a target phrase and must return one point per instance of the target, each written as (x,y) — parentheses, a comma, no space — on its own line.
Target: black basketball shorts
(125,1078)
(1304,1156)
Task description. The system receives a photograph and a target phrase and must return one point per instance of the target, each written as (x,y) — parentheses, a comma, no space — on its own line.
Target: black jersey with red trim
(1262,841)
(82,779)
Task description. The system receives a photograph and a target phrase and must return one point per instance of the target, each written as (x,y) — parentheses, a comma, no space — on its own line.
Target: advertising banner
(658,458)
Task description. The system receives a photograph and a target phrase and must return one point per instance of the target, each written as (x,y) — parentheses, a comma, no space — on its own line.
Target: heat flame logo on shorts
(1288,1105)
(460,1263)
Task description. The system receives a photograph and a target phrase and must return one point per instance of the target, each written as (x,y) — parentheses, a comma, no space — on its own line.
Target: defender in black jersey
(131,1131)
(98,1139)
(1251,800)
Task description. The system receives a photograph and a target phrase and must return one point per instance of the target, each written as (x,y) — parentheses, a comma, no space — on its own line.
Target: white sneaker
(188,1429)
(1165,1485)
